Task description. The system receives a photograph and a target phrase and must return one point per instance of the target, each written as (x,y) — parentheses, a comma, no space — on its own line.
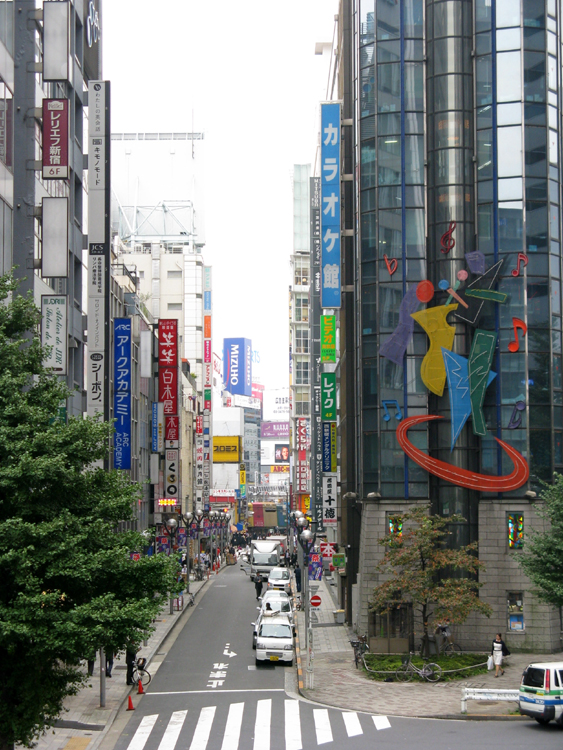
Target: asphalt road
(208,694)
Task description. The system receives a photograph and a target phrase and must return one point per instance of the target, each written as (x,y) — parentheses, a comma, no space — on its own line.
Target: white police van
(541,692)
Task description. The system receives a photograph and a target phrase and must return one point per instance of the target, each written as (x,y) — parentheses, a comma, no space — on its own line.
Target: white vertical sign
(54,331)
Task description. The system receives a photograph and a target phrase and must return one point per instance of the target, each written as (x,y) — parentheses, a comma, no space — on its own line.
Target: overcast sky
(247,74)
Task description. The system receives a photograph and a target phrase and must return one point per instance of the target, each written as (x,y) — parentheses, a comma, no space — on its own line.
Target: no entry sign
(315,601)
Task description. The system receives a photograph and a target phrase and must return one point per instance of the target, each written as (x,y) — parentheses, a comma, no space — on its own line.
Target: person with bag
(498,651)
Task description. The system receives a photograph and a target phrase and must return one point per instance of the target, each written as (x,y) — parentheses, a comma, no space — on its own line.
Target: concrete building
(451,147)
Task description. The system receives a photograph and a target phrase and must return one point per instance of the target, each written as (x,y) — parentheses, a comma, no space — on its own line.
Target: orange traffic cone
(130,706)
(140,690)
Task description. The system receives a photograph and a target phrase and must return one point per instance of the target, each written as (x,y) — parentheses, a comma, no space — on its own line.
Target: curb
(183,616)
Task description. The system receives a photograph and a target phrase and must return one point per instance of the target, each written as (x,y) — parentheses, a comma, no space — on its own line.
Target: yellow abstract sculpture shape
(441,335)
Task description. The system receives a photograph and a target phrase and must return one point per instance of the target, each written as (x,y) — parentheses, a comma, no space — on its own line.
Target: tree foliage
(68,585)
(420,568)
(542,556)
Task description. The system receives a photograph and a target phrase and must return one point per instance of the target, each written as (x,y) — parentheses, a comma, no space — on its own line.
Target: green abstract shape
(480,361)
(489,294)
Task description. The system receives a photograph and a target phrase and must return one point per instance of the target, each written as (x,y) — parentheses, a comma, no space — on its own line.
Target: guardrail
(485,694)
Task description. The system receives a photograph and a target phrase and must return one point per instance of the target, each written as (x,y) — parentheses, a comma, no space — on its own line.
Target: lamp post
(306,540)
(171,528)
(190,518)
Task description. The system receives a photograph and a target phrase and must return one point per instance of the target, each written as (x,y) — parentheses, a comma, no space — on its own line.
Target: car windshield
(275,630)
(280,605)
(279,574)
(265,558)
(533,677)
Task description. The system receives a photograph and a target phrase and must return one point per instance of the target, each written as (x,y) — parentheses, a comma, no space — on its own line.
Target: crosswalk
(207,728)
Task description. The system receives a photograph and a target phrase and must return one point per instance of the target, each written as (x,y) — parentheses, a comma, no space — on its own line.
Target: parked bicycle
(140,673)
(360,646)
(189,599)
(429,671)
(445,643)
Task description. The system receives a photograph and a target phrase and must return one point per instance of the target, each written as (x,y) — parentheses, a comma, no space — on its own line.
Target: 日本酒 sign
(168,343)
(330,205)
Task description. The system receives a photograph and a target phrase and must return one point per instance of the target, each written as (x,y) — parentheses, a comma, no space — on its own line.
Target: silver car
(279,605)
(279,580)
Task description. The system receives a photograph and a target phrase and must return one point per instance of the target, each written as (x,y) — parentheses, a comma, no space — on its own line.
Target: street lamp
(171,528)
(190,518)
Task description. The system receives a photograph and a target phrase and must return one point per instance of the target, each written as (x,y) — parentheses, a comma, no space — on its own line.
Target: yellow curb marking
(77,743)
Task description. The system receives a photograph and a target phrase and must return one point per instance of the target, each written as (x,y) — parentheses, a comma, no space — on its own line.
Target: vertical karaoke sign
(122,393)
(207,388)
(330,205)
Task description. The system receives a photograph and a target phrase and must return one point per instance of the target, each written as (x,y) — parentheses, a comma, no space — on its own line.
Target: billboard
(281,453)
(122,342)
(274,430)
(237,366)
(55,139)
(226,449)
(276,404)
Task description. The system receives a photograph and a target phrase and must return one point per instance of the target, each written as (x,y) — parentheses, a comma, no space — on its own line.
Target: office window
(301,309)
(301,373)
(302,272)
(515,525)
(302,341)
(174,274)
(515,604)
(174,305)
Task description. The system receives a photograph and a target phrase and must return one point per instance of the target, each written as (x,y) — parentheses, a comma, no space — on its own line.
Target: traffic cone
(130,706)
(140,690)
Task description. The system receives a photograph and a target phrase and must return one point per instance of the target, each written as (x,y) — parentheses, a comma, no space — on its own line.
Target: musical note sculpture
(391,264)
(514,346)
(393,403)
(522,258)
(446,240)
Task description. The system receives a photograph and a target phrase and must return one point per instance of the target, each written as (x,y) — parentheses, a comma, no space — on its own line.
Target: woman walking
(498,650)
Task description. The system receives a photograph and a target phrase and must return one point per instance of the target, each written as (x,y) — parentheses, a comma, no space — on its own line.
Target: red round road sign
(315,601)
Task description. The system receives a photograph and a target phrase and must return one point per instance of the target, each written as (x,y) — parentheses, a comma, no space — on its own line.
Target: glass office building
(457,268)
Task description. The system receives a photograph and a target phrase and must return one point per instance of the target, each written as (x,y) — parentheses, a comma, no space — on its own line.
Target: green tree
(542,556)
(68,585)
(419,569)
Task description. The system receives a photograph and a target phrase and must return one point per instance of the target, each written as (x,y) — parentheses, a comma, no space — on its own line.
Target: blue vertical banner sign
(122,393)
(330,206)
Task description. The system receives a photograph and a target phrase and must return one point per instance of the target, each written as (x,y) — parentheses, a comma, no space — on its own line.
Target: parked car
(275,640)
(541,692)
(273,594)
(281,605)
(279,580)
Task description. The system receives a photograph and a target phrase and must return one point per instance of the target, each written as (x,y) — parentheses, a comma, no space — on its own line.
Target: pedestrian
(498,650)
(109,662)
(130,658)
(258,585)
(298,578)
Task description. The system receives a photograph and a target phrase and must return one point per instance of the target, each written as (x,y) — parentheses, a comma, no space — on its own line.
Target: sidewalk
(84,723)
(337,682)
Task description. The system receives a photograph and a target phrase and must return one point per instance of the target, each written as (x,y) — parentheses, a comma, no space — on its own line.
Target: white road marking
(381,722)
(203,729)
(262,725)
(172,731)
(292,726)
(353,726)
(241,690)
(232,730)
(142,734)
(322,726)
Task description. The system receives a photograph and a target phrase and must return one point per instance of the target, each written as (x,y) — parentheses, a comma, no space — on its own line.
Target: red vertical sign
(55,139)
(168,389)
(168,343)
(172,428)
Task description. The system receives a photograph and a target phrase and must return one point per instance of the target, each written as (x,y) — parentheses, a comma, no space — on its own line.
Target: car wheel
(541,720)
(290,663)
(257,661)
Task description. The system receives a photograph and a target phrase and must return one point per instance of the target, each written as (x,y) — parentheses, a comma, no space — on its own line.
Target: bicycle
(189,599)
(429,671)
(445,645)
(198,573)
(360,646)
(140,673)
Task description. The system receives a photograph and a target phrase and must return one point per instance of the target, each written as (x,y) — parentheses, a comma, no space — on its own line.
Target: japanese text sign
(329,499)
(330,205)
(168,343)
(172,428)
(168,389)
(122,393)
(328,338)
(55,139)
(328,397)
(54,331)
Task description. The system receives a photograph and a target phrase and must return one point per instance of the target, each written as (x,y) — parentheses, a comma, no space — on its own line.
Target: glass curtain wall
(392,203)
(518,184)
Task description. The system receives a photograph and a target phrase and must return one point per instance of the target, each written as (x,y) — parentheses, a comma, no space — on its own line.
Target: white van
(541,692)
(274,641)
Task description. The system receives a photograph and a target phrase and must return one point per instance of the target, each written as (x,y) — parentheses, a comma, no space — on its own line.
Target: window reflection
(509,82)
(509,151)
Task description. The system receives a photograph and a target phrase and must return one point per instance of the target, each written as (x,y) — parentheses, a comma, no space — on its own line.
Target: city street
(208,694)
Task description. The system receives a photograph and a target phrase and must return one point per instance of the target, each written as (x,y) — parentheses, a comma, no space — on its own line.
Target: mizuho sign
(92,24)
